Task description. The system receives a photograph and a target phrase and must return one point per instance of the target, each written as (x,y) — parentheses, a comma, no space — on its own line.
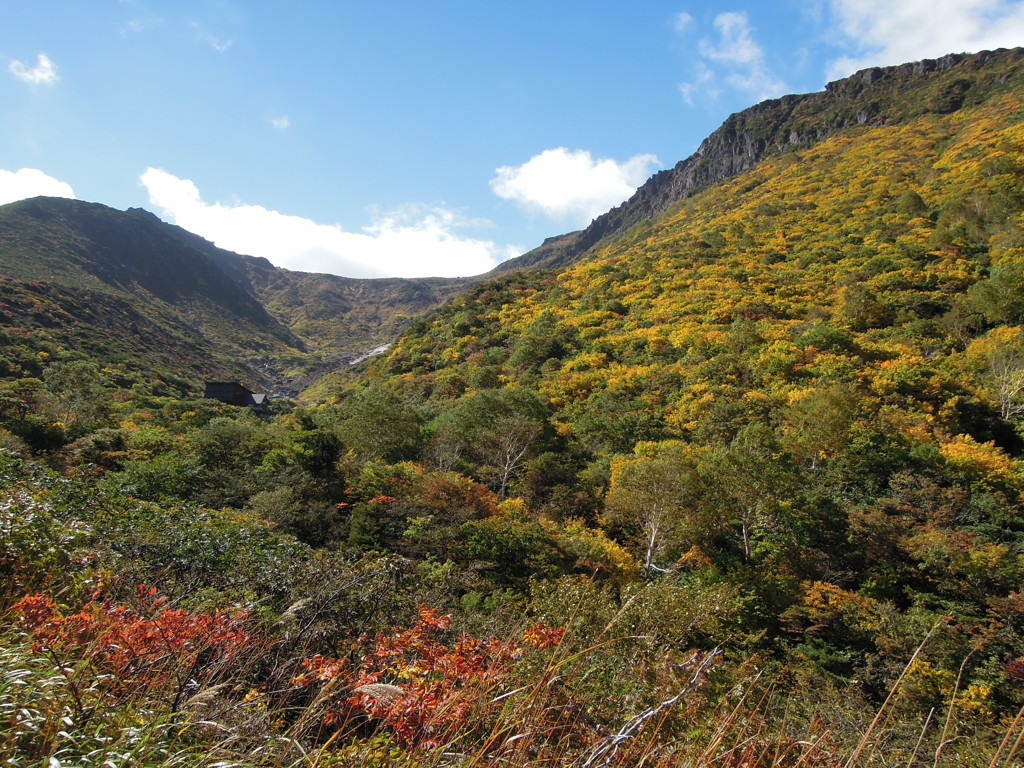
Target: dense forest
(742,487)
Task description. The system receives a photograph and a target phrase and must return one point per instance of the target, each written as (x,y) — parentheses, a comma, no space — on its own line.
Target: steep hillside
(125,287)
(876,96)
(341,318)
(804,382)
(337,318)
(878,252)
(161,298)
(199,320)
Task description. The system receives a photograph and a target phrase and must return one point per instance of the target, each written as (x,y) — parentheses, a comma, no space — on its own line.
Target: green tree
(166,477)
(492,434)
(75,390)
(1000,298)
(817,425)
(755,482)
(503,448)
(656,501)
(545,338)
(614,421)
(375,423)
(1000,354)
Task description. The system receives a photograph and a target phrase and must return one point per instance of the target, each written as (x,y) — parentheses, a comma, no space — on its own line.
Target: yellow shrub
(983,459)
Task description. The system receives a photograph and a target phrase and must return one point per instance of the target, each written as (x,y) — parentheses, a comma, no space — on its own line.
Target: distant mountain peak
(177,302)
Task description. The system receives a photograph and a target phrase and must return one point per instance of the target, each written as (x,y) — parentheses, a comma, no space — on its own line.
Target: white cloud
(735,57)
(701,83)
(415,242)
(882,32)
(682,21)
(759,82)
(281,123)
(571,185)
(736,43)
(137,26)
(140,19)
(219,45)
(30,182)
(43,73)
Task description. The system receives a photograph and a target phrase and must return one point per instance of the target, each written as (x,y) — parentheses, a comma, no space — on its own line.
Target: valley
(733,476)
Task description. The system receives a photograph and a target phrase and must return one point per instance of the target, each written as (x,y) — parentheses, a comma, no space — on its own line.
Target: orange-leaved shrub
(143,647)
(424,690)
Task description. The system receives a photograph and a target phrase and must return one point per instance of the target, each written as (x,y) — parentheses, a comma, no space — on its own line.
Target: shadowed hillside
(138,291)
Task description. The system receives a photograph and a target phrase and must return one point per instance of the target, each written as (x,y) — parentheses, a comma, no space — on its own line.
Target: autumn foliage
(144,646)
(762,455)
(424,690)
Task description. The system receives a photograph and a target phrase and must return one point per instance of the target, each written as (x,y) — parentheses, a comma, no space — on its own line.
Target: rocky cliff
(874,96)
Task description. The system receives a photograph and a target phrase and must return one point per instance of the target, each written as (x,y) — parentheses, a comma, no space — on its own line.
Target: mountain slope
(205,312)
(803,382)
(876,230)
(89,254)
(338,318)
(886,261)
(872,97)
(341,318)
(132,289)
(782,420)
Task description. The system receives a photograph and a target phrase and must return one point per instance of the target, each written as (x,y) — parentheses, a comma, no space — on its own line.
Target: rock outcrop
(873,96)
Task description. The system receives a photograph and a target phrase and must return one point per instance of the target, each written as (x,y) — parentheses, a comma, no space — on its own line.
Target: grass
(63,704)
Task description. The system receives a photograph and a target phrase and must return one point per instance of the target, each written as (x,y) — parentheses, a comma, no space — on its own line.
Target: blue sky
(414,138)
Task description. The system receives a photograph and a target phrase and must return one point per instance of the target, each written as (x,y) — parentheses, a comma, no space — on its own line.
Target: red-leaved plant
(142,647)
(424,690)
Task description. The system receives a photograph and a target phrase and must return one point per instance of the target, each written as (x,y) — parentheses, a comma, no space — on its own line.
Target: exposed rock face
(874,96)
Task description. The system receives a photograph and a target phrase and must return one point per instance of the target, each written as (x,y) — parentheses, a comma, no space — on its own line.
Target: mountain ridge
(283,329)
(864,98)
(277,328)
(782,420)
